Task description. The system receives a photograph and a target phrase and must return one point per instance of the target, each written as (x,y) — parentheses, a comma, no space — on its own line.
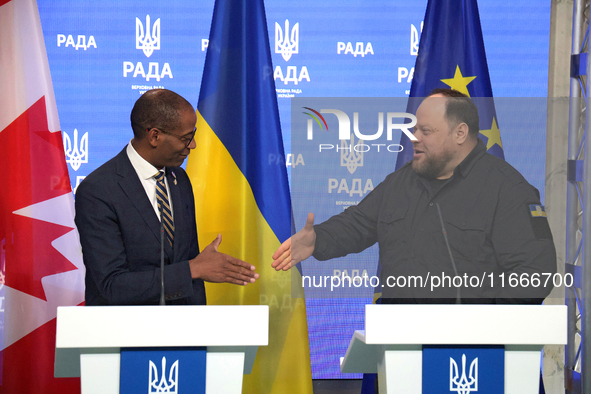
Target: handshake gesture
(213,266)
(297,248)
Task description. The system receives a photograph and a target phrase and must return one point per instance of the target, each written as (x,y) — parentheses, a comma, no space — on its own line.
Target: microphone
(162,302)
(451,257)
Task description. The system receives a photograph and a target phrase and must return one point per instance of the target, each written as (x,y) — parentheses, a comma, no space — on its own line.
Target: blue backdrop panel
(356,48)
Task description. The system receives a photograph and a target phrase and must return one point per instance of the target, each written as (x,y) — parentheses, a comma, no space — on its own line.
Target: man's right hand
(213,266)
(297,248)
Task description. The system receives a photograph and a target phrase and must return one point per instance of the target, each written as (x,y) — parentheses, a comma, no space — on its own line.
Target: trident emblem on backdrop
(350,157)
(162,385)
(460,383)
(75,155)
(285,44)
(143,39)
(414,39)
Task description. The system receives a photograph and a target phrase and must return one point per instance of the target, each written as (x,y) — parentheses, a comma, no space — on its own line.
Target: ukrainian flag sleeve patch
(537,211)
(539,221)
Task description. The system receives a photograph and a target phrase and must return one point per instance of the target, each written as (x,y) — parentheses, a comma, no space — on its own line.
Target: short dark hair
(460,109)
(158,108)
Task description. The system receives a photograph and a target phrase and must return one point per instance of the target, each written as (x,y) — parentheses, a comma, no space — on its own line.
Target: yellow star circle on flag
(493,135)
(459,82)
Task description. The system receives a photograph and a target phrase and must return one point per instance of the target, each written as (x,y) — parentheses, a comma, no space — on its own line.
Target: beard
(432,166)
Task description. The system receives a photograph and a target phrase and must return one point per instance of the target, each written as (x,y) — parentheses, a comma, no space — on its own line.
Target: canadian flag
(40,255)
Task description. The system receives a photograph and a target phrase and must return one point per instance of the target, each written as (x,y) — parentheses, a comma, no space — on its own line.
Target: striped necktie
(164,206)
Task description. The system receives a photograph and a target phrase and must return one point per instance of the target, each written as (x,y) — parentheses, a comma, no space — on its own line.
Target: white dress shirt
(146,171)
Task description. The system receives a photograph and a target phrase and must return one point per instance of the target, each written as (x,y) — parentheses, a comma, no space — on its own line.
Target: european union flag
(451,55)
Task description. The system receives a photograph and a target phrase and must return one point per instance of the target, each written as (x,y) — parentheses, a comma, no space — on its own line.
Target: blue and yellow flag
(451,55)
(241,190)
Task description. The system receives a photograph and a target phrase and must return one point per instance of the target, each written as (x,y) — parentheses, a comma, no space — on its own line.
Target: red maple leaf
(33,170)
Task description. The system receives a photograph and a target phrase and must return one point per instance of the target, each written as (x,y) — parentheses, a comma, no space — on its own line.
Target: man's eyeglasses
(185,139)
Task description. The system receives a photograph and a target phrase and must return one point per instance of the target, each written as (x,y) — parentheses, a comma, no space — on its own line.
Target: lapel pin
(174,176)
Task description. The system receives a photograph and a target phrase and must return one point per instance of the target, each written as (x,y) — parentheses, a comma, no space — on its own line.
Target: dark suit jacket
(120,237)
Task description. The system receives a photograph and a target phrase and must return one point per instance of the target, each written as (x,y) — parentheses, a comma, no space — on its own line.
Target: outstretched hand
(297,248)
(213,266)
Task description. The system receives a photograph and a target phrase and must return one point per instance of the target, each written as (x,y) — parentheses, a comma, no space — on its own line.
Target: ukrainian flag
(451,55)
(240,183)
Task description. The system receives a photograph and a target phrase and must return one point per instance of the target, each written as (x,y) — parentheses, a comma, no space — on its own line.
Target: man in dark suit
(118,210)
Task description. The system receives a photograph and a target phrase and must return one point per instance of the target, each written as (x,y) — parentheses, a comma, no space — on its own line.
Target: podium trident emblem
(76,154)
(171,385)
(463,384)
(350,157)
(287,44)
(143,39)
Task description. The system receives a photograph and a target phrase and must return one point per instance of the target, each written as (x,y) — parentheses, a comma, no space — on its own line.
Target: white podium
(394,335)
(89,339)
